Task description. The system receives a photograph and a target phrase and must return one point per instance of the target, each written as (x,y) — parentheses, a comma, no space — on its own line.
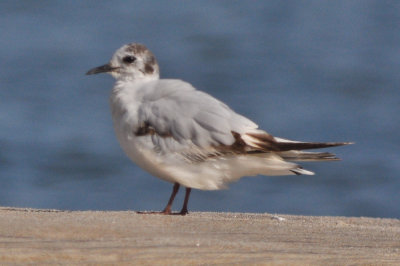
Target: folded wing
(183,120)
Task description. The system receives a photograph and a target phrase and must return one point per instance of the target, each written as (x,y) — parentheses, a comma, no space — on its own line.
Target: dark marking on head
(148,69)
(137,48)
(150,63)
(149,60)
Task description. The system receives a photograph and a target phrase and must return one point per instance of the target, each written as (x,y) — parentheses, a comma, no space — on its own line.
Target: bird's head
(130,62)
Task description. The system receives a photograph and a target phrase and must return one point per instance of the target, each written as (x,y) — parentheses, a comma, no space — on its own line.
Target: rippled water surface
(313,71)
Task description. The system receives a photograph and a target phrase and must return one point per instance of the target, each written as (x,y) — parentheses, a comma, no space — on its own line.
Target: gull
(189,138)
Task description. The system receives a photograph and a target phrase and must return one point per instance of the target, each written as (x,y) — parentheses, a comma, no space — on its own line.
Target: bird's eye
(129,59)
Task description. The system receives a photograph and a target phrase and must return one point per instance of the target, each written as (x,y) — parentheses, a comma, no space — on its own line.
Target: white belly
(141,152)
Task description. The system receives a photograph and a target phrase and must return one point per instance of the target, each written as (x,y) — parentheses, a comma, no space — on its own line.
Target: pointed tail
(266,142)
(294,155)
(287,145)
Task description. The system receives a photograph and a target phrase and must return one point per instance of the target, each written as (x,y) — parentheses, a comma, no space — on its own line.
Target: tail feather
(266,142)
(294,155)
(301,171)
(259,143)
(287,145)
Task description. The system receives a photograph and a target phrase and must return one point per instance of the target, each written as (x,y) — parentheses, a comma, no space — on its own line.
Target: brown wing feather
(268,143)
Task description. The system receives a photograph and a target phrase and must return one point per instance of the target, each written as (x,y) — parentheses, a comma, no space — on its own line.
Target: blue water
(306,70)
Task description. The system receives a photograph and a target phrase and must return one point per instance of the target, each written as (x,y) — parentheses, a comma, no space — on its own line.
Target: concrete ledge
(124,237)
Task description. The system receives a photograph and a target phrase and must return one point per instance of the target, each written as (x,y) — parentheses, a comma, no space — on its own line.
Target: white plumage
(188,137)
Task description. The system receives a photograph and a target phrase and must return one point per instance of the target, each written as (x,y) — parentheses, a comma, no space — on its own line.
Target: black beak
(101,69)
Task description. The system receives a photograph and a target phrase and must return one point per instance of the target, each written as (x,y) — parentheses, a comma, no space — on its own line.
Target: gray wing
(185,121)
(179,117)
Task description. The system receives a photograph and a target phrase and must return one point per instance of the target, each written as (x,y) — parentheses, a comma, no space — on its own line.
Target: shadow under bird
(189,138)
